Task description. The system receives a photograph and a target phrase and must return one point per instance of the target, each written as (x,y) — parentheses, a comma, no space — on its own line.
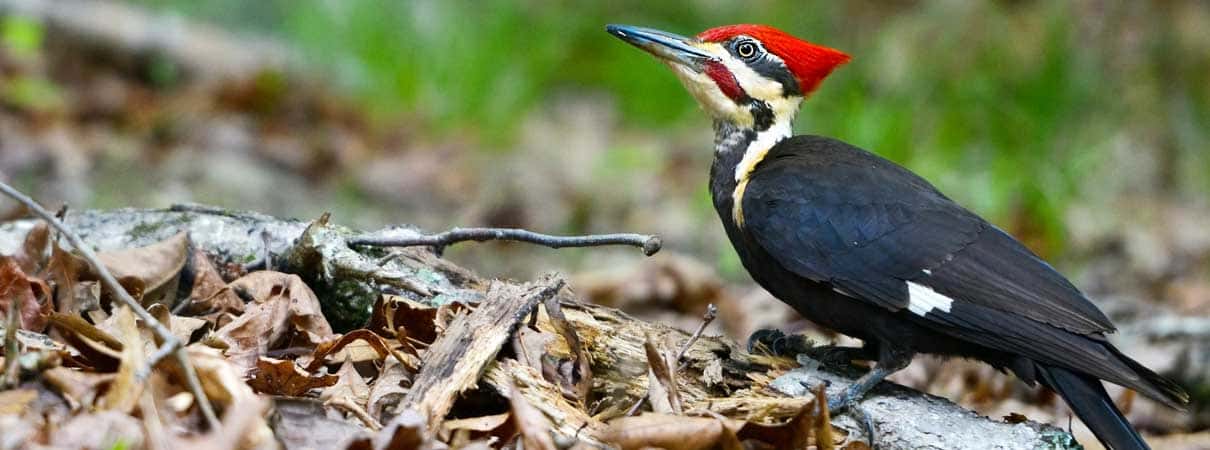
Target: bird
(863,246)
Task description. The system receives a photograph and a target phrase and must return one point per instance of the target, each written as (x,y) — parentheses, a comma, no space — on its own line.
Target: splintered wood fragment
(456,359)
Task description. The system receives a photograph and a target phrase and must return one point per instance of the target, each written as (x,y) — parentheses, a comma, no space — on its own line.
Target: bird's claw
(777,343)
(847,404)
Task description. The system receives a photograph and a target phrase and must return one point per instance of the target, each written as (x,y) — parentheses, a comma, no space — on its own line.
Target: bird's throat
(737,152)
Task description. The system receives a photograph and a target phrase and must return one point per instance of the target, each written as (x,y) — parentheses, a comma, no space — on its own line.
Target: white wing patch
(922,299)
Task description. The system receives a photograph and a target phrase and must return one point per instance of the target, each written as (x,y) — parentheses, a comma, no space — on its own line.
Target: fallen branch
(456,360)
(649,243)
(170,343)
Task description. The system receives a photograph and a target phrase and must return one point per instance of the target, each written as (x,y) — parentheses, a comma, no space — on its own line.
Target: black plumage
(865,247)
(838,233)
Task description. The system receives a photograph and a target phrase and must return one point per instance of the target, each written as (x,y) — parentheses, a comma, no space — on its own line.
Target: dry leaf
(529,345)
(65,269)
(210,296)
(124,393)
(285,313)
(389,388)
(671,432)
(575,377)
(480,424)
(181,327)
(533,426)
(407,431)
(33,250)
(283,377)
(350,386)
(78,387)
(15,285)
(392,314)
(303,423)
(241,428)
(157,266)
(661,380)
(345,346)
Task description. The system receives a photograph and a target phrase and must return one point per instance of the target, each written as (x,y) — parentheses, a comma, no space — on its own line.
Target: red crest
(810,63)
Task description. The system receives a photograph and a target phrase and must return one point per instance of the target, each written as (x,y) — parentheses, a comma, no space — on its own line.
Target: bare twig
(356,410)
(649,243)
(170,343)
(709,316)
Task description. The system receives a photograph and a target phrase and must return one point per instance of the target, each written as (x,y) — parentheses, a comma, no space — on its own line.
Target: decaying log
(455,361)
(718,376)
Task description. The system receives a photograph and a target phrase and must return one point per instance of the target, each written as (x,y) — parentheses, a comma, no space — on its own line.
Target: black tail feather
(1087,397)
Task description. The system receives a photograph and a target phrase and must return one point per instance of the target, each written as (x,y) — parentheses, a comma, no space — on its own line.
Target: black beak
(666,46)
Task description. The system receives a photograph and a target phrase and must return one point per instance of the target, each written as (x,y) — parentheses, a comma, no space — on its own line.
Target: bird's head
(752,76)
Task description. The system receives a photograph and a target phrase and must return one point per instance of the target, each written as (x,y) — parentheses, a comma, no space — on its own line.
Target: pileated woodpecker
(863,246)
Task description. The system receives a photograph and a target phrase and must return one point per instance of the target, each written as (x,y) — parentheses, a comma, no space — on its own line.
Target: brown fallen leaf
(662,391)
(380,347)
(480,424)
(285,314)
(182,327)
(65,269)
(529,345)
(533,427)
(210,297)
(350,387)
(242,427)
(78,387)
(305,423)
(672,432)
(156,267)
(575,376)
(799,431)
(407,431)
(16,286)
(33,249)
(393,313)
(123,394)
(284,377)
(389,388)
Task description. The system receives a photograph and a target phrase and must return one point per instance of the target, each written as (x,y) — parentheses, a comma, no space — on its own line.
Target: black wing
(834,213)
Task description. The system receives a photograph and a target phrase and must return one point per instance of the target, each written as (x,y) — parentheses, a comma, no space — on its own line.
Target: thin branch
(709,316)
(170,342)
(649,243)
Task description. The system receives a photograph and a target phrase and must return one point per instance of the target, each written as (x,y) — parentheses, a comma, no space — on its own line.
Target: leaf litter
(281,377)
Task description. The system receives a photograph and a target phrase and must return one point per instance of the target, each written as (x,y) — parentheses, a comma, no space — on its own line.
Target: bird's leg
(890,360)
(841,356)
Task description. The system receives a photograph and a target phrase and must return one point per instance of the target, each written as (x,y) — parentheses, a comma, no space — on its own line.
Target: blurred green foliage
(1009,106)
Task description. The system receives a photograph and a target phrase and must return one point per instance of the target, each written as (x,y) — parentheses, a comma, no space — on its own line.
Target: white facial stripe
(756,151)
(760,146)
(751,82)
(922,299)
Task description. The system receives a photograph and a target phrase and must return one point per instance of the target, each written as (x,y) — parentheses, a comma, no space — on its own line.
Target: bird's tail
(1088,399)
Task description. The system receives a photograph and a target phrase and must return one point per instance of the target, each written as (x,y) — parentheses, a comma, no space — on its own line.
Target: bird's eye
(745,50)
